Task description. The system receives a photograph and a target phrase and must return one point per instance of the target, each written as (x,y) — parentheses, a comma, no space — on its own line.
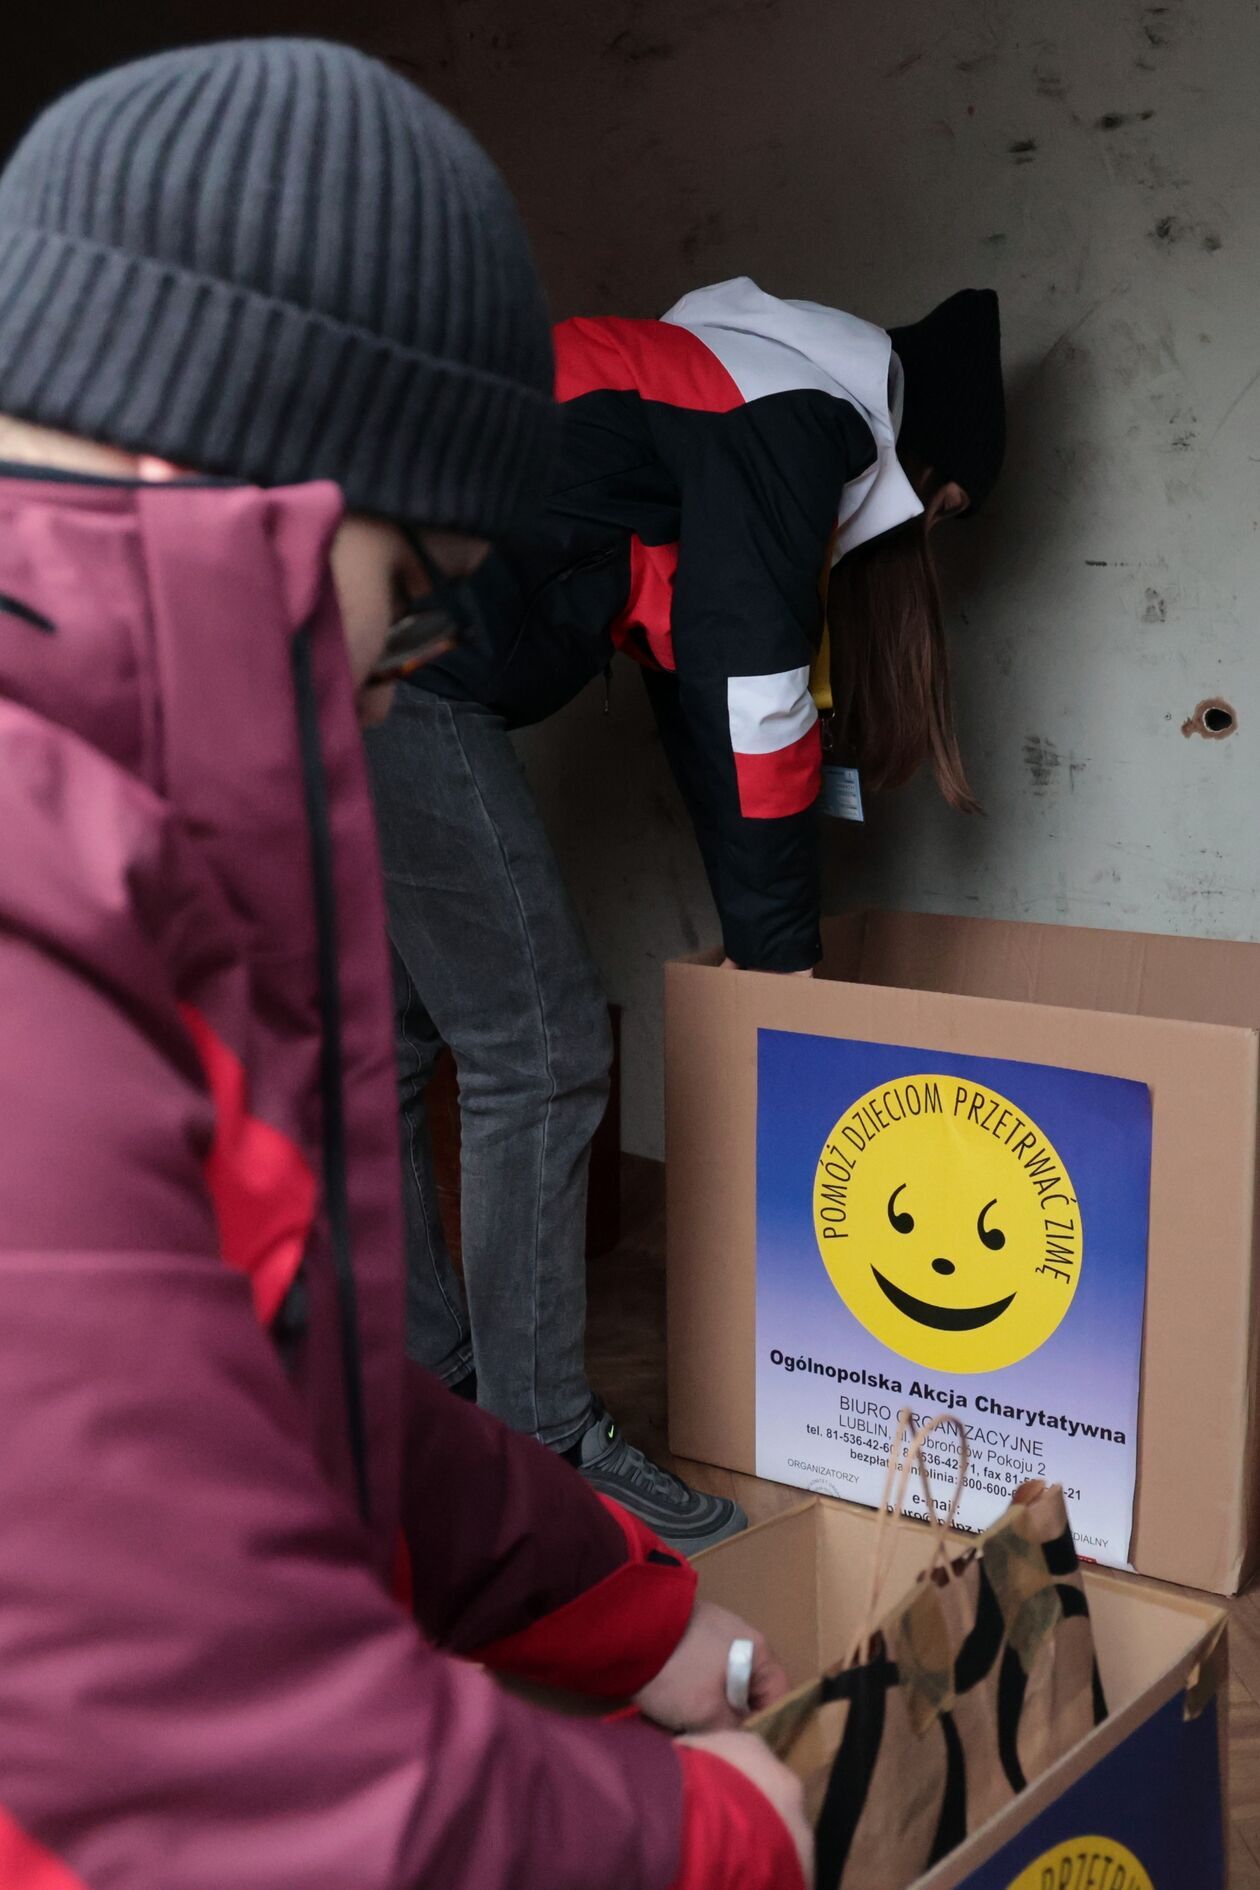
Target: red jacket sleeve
(760,487)
(733,1838)
(616,1636)
(202,1682)
(593,1602)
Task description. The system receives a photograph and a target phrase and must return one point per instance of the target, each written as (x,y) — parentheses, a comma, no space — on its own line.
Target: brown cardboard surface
(815,1562)
(804,1579)
(776,1568)
(1023,992)
(1189,980)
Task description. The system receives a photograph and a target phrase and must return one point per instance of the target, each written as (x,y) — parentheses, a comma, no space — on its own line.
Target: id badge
(841,792)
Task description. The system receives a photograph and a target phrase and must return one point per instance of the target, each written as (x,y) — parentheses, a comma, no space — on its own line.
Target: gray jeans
(489,959)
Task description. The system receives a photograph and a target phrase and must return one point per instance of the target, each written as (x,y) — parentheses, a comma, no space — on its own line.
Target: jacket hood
(771,346)
(186,819)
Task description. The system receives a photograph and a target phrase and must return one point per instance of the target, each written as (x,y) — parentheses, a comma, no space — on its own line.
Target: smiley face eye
(993,1237)
(900,1223)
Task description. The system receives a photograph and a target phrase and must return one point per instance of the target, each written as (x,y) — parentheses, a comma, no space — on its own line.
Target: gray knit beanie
(279,261)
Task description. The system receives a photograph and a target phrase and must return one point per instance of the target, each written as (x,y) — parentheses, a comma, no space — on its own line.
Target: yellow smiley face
(948,1224)
(1087,1863)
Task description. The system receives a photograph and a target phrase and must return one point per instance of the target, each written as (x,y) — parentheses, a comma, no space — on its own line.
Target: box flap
(770,1576)
(1152,1643)
(1205,981)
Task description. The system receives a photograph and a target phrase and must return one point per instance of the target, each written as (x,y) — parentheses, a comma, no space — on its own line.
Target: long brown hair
(890,665)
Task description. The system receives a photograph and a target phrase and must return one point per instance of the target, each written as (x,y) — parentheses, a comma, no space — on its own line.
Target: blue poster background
(1089,1370)
(1159,1793)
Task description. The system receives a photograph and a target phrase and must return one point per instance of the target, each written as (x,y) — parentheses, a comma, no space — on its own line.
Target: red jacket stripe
(26,1865)
(263,1190)
(649,603)
(786,781)
(655,359)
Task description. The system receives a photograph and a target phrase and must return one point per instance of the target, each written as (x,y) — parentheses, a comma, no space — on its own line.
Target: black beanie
(954,417)
(278,260)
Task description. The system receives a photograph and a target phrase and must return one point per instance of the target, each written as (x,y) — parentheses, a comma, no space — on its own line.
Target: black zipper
(25,613)
(336,1190)
(590,563)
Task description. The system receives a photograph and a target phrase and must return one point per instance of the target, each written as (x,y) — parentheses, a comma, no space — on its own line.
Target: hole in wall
(1213,720)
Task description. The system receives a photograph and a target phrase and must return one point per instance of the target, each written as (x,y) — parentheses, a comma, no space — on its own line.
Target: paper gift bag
(948,1704)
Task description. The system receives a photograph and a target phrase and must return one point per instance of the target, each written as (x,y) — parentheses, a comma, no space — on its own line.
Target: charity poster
(944,1233)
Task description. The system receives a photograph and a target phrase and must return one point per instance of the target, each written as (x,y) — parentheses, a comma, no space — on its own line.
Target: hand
(728,964)
(689,1693)
(784,1790)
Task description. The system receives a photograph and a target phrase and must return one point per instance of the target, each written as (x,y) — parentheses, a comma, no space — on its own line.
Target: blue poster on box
(951,1233)
(1148,1817)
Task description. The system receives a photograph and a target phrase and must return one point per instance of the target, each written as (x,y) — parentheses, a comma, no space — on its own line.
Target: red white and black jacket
(713,464)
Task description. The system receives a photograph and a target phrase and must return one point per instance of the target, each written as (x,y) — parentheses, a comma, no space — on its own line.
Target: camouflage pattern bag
(948,1704)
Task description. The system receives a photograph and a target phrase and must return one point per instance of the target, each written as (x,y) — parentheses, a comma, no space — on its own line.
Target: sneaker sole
(734,1526)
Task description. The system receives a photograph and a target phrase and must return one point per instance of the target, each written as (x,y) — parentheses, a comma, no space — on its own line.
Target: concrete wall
(1099,166)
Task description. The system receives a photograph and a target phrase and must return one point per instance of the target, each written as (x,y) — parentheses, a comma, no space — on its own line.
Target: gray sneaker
(686,1519)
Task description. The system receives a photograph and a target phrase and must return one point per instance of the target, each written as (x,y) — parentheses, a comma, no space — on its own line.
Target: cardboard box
(1177,1015)
(1151,1778)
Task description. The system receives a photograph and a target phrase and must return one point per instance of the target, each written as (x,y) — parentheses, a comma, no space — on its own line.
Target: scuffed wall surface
(1099,166)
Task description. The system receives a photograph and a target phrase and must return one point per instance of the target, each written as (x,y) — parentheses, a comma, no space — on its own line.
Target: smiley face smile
(941,1318)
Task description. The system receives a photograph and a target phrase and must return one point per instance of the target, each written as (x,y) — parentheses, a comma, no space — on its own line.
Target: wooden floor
(626,1351)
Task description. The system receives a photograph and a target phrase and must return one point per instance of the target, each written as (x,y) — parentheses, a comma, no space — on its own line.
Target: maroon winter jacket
(210,1448)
